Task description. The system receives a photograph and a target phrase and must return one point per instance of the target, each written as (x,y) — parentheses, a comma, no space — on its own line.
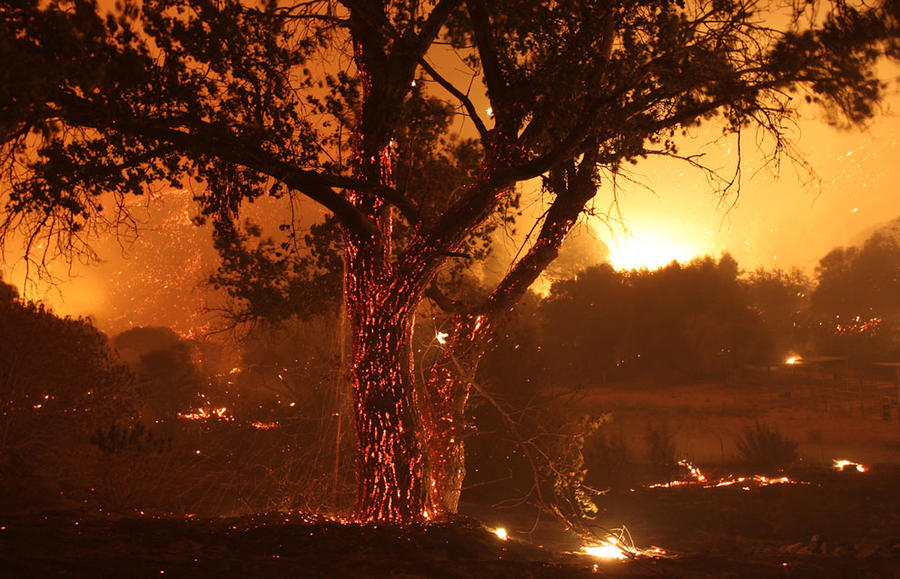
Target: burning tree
(242,99)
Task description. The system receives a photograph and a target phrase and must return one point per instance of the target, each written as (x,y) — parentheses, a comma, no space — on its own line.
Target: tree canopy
(244,99)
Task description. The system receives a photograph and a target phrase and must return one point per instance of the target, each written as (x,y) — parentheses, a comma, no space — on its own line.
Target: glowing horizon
(650,250)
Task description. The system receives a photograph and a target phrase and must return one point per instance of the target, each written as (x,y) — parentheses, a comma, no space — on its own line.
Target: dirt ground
(841,525)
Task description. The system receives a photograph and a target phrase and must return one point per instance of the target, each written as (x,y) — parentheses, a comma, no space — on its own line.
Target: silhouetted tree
(55,364)
(163,363)
(781,299)
(856,300)
(588,324)
(692,318)
(240,99)
(59,381)
(683,320)
(8,292)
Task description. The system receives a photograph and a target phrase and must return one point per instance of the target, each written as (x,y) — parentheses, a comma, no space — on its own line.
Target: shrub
(661,451)
(763,446)
(609,459)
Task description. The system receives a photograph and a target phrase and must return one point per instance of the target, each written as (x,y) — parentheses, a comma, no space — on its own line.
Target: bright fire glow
(442,337)
(842,464)
(649,250)
(608,549)
(792,360)
(501,533)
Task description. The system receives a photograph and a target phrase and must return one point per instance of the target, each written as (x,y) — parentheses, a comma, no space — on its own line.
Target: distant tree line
(703,319)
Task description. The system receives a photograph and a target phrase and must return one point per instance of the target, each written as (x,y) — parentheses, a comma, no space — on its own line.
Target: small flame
(501,533)
(697,478)
(442,337)
(792,360)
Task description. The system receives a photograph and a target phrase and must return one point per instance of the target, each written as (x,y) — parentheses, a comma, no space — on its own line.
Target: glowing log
(842,464)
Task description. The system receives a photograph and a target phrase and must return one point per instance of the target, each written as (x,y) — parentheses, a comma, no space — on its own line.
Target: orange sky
(786,221)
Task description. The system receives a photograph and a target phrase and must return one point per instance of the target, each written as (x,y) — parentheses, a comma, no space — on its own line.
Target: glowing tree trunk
(389,450)
(389,453)
(445,396)
(390,462)
(453,375)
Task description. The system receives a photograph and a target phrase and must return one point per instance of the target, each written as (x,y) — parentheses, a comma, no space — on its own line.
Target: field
(848,418)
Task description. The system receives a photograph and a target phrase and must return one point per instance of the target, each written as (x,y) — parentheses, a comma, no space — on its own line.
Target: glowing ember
(206,414)
(843,464)
(793,360)
(442,337)
(759,480)
(501,533)
(264,425)
(695,472)
(620,545)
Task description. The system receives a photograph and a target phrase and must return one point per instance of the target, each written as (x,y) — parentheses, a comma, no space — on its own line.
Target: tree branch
(572,194)
(490,62)
(464,100)
(443,301)
(209,141)
(432,26)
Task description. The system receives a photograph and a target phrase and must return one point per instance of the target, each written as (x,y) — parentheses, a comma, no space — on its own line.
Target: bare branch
(572,191)
(208,140)
(463,98)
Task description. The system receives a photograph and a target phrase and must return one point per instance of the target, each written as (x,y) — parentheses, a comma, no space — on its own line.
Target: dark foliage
(781,299)
(129,438)
(59,381)
(163,365)
(855,306)
(685,321)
